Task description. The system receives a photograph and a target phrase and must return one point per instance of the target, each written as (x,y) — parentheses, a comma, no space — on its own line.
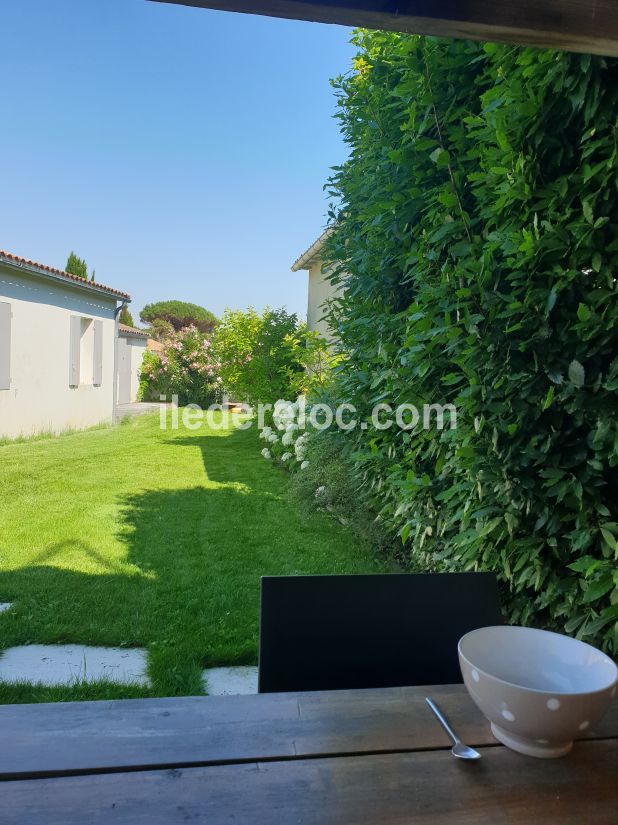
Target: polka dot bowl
(539,690)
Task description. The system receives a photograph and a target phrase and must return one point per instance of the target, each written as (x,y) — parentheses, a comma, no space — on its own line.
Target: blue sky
(181,151)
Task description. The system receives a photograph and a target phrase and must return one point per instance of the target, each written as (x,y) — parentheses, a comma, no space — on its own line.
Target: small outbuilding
(132,345)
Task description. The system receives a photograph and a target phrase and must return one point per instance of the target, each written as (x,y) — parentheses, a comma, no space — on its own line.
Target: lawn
(135,536)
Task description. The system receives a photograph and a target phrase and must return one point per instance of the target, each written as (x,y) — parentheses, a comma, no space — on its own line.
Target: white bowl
(539,690)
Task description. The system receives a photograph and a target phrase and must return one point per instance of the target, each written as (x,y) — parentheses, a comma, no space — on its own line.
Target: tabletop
(349,757)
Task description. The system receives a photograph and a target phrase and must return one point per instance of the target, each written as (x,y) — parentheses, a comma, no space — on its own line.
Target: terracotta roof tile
(155,346)
(9,258)
(139,333)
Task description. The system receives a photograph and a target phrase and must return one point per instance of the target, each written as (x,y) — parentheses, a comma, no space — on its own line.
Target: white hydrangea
(304,465)
(287,439)
(288,428)
(284,413)
(300,446)
(266,453)
(320,491)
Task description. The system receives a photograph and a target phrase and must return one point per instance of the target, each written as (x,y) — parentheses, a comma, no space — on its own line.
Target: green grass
(25,693)
(133,536)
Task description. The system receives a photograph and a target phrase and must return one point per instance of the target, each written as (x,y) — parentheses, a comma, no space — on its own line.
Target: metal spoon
(459,750)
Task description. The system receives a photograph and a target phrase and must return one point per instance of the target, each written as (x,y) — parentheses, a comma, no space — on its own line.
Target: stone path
(66,664)
(136,408)
(56,665)
(230,681)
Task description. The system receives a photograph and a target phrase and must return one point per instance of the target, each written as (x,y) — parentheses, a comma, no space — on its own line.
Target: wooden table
(327,758)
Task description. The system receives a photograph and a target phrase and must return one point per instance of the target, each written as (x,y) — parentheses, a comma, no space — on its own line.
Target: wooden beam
(589,26)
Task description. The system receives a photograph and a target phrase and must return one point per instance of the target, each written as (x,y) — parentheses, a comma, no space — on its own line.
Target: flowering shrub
(186,368)
(287,439)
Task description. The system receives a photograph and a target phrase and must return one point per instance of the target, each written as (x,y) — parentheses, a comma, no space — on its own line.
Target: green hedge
(477,220)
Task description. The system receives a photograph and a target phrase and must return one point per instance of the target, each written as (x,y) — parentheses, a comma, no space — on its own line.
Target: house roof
(59,275)
(127,330)
(311,255)
(155,346)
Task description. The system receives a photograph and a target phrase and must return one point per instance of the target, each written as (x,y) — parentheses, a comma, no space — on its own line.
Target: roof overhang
(63,278)
(589,26)
(132,332)
(312,255)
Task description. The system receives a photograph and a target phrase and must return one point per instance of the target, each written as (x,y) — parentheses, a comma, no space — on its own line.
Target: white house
(57,349)
(319,289)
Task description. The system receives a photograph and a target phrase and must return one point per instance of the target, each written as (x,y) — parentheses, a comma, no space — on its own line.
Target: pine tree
(179,314)
(76,266)
(125,316)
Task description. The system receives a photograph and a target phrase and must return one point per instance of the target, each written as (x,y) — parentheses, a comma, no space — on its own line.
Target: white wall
(319,291)
(39,398)
(133,348)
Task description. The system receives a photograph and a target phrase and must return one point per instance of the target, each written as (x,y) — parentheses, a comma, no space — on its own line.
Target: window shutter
(74,351)
(5,346)
(98,354)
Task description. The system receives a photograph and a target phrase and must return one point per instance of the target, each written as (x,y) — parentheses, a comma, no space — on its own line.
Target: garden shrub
(258,354)
(476,233)
(147,389)
(186,368)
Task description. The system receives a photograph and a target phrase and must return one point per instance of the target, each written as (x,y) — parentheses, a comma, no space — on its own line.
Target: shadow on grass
(184,594)
(231,457)
(188,587)
(58,553)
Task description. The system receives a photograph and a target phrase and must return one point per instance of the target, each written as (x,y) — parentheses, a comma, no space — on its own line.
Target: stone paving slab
(230,681)
(137,408)
(65,664)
